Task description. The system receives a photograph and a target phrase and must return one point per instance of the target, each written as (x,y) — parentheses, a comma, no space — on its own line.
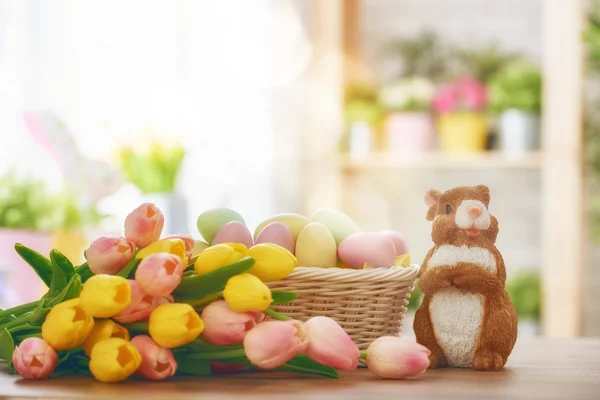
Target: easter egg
(210,222)
(372,248)
(338,223)
(399,242)
(294,222)
(199,247)
(234,232)
(277,233)
(316,247)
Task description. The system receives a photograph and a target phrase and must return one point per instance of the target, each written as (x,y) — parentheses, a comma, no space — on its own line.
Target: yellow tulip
(218,256)
(174,324)
(67,325)
(104,296)
(271,262)
(114,360)
(247,293)
(171,246)
(104,329)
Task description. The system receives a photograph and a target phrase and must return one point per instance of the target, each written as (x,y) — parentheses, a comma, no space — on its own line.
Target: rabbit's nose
(474,212)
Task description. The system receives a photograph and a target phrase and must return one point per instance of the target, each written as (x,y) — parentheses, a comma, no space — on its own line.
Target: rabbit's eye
(448,209)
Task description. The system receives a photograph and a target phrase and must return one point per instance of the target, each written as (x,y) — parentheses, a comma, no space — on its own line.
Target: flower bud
(329,344)
(159,274)
(158,362)
(170,246)
(67,325)
(218,256)
(144,225)
(114,360)
(104,296)
(271,262)
(271,344)
(34,358)
(222,326)
(109,255)
(394,357)
(103,329)
(189,242)
(247,293)
(140,306)
(173,325)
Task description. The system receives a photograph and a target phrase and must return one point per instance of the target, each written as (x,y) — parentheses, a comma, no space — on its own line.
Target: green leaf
(200,345)
(303,365)
(58,282)
(275,315)
(129,268)
(40,264)
(63,263)
(7,345)
(71,291)
(282,297)
(199,286)
(187,366)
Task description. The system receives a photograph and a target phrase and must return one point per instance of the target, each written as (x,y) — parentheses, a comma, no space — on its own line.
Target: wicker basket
(367,303)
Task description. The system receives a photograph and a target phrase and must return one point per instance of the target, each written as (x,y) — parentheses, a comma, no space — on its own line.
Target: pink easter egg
(399,242)
(234,232)
(367,247)
(277,233)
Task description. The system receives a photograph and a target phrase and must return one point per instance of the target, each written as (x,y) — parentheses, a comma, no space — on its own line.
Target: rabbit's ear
(431,199)
(485,192)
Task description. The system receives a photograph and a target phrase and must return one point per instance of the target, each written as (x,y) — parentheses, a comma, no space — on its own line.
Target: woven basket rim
(345,274)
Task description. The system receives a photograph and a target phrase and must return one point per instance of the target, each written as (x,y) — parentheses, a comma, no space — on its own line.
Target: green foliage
(423,55)
(154,169)
(483,63)
(591,37)
(415,298)
(524,290)
(27,203)
(518,85)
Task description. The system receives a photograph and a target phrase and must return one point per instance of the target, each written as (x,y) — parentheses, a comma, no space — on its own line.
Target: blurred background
(271,106)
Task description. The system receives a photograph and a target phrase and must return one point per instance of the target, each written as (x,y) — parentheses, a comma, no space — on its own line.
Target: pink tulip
(34,358)
(394,357)
(329,344)
(144,225)
(109,254)
(158,362)
(139,308)
(165,300)
(273,343)
(188,240)
(159,274)
(222,326)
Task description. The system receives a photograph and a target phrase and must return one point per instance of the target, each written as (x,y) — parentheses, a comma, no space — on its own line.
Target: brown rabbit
(466,318)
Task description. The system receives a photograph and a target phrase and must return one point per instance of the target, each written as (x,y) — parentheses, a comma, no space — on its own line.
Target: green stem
(137,327)
(275,315)
(363,354)
(18,310)
(82,268)
(20,321)
(218,355)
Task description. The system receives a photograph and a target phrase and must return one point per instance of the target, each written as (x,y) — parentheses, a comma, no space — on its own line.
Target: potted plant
(461,123)
(153,166)
(515,95)
(408,127)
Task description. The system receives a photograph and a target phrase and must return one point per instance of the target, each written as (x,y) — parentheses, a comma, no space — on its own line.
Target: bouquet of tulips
(148,306)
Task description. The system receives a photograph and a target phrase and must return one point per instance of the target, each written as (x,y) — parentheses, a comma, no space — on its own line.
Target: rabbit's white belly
(457,318)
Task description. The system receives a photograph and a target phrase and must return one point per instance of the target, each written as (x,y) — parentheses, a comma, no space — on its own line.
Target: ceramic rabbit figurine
(466,318)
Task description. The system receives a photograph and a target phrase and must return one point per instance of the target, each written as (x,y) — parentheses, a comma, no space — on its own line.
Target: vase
(174,208)
(519,132)
(19,283)
(408,133)
(463,132)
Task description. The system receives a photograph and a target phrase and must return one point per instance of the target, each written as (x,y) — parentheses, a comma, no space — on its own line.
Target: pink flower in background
(144,225)
(394,357)
(34,358)
(139,308)
(465,94)
(158,362)
(222,326)
(188,240)
(330,345)
(159,274)
(273,343)
(109,254)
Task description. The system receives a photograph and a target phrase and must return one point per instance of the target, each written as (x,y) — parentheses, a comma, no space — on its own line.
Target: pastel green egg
(294,222)
(199,247)
(338,223)
(210,222)
(316,247)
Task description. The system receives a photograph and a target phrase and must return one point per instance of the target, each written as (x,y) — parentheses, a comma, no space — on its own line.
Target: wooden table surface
(537,369)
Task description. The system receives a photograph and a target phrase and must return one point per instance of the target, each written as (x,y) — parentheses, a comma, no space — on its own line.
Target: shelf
(379,161)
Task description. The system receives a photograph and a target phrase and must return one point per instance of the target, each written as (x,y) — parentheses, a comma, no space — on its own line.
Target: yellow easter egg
(316,247)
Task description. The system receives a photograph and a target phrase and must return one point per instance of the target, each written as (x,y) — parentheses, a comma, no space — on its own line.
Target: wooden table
(538,369)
